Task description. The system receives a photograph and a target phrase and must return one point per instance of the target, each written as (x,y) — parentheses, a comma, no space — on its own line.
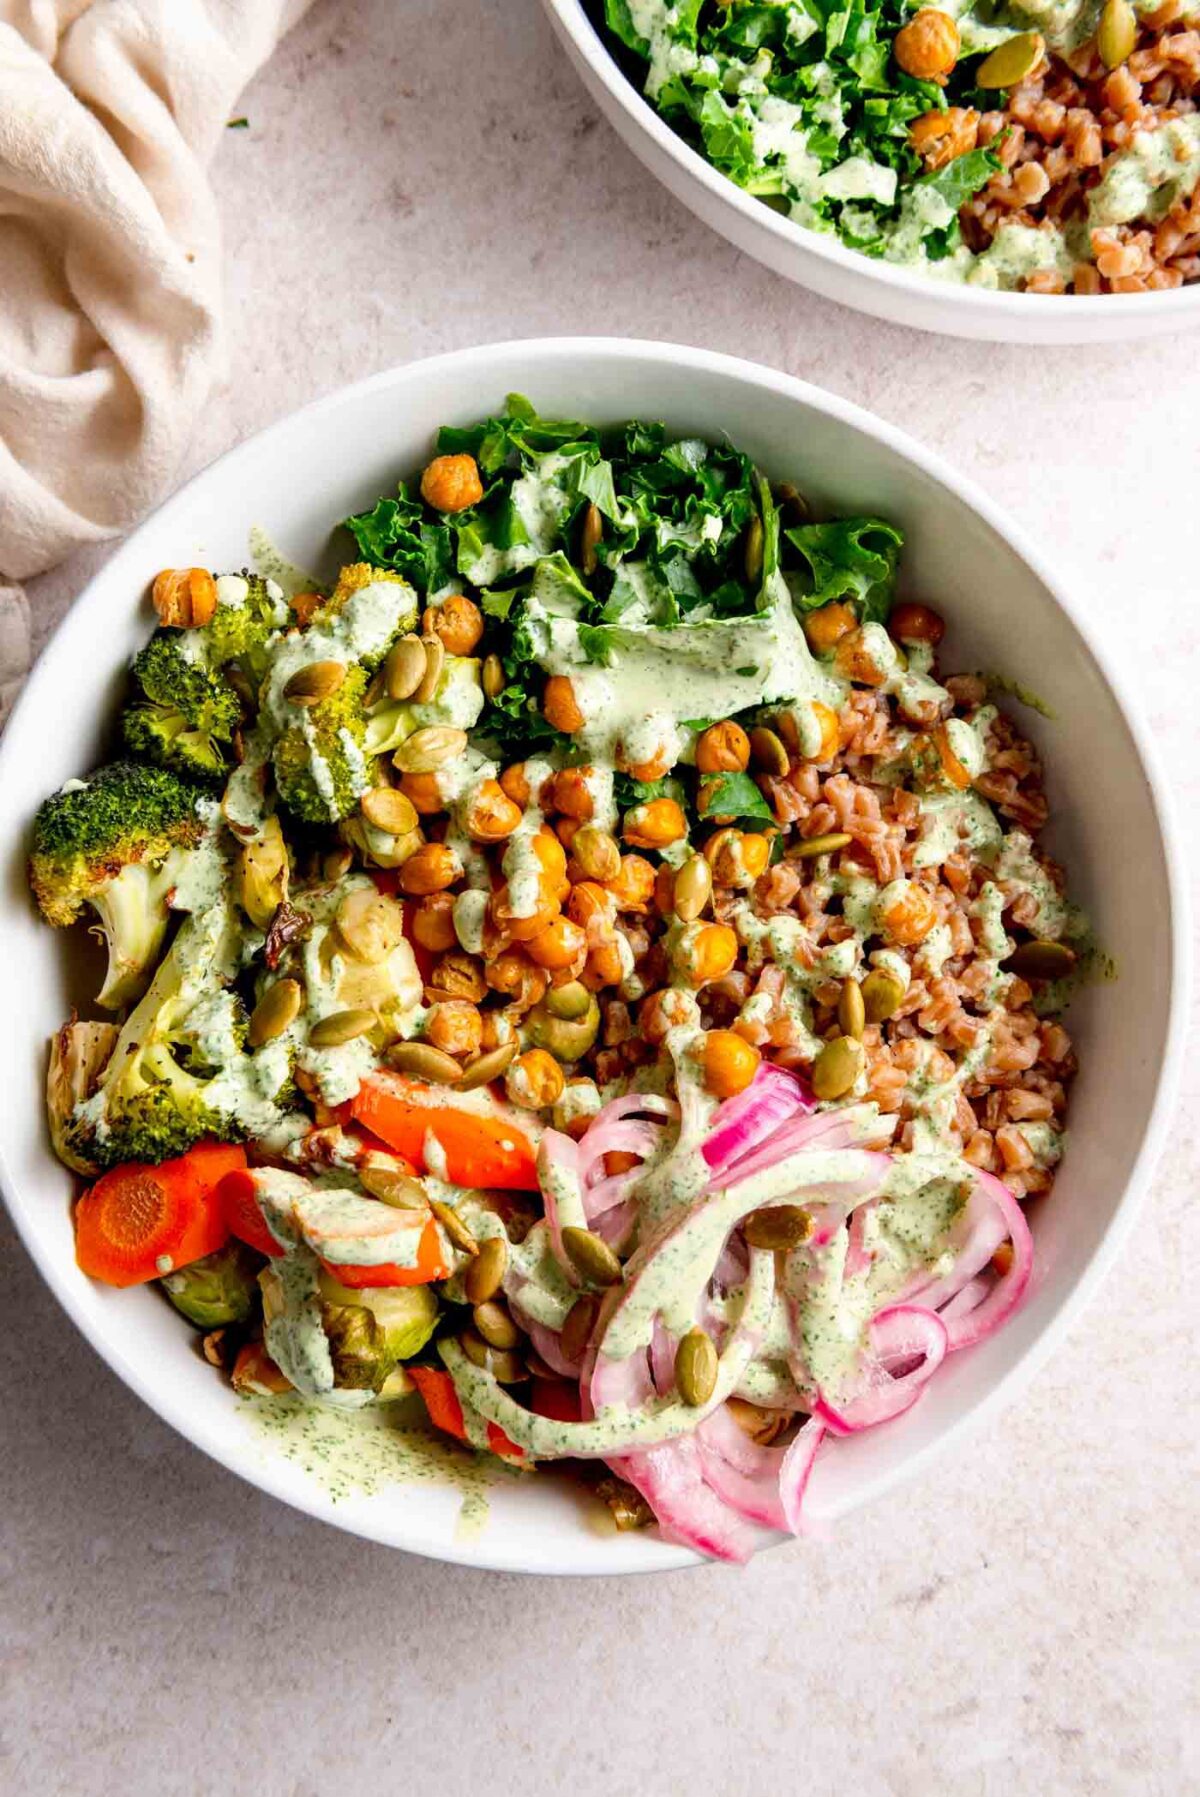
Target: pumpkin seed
(428,749)
(592,1258)
(577,1329)
(692,889)
(370,924)
(696,1368)
(504,1367)
(435,661)
(484,1068)
(341,1026)
(852,1011)
(336,865)
(492,676)
(386,808)
(1040,961)
(768,752)
(456,1227)
(1011,61)
(568,1002)
(792,503)
(276,1009)
(485,1275)
(494,1324)
(781,1227)
(590,535)
(762,1426)
(755,537)
(882,993)
(837,1067)
(404,669)
(317,681)
(1117,34)
(380,1176)
(597,853)
(421,1060)
(820,845)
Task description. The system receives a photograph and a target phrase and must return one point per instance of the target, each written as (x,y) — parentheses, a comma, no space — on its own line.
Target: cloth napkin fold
(110,277)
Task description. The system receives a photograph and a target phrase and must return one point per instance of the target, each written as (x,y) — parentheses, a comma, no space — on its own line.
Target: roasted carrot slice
(445,1412)
(139,1221)
(479,1150)
(430,1265)
(237,1195)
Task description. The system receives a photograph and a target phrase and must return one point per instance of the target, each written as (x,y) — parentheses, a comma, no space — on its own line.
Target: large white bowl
(1006,611)
(827,265)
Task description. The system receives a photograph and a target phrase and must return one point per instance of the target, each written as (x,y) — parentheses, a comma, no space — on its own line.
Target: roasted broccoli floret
(247,615)
(321,765)
(393,621)
(119,842)
(187,711)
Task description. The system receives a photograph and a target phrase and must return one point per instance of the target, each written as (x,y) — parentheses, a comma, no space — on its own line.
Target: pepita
(882,994)
(456,1227)
(380,1176)
(485,1275)
(1011,61)
(851,1010)
(592,1258)
(317,681)
(494,1324)
(386,808)
(837,1067)
(792,503)
(370,924)
(590,535)
(1040,960)
(568,1002)
(767,751)
(1117,33)
(780,1227)
(506,1368)
(820,845)
(696,1368)
(278,1007)
(421,1060)
(692,889)
(487,1067)
(577,1329)
(341,1026)
(430,748)
(755,537)
(492,676)
(435,661)
(336,865)
(404,669)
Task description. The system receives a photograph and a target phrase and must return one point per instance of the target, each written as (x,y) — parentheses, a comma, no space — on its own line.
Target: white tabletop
(418,177)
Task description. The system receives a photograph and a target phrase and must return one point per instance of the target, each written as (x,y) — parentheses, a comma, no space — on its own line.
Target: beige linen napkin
(110,279)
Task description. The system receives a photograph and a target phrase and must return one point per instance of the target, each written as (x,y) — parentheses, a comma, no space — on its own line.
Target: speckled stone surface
(418,177)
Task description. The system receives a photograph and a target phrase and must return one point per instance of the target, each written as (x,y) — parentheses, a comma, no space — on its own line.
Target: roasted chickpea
(559,707)
(559,945)
(521,929)
(905,912)
(854,661)
(491,815)
(566,829)
(723,749)
(589,900)
(535,1080)
(455,1026)
(927,47)
(458,621)
(708,951)
(570,793)
(831,735)
(911,622)
(596,853)
(938,137)
(664,1010)
(423,793)
(458,975)
(653,769)
(826,627)
(654,825)
(553,857)
(664,890)
(184,598)
(433,868)
(432,923)
(451,483)
(515,782)
(514,974)
(738,857)
(633,887)
(729,1063)
(608,962)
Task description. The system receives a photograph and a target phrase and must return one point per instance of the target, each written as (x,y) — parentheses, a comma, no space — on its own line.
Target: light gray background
(417,177)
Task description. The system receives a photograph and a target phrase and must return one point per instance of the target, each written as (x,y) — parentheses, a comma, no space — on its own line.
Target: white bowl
(1005,611)
(827,265)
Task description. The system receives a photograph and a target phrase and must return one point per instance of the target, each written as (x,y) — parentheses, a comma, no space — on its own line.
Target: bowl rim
(827,247)
(499,361)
